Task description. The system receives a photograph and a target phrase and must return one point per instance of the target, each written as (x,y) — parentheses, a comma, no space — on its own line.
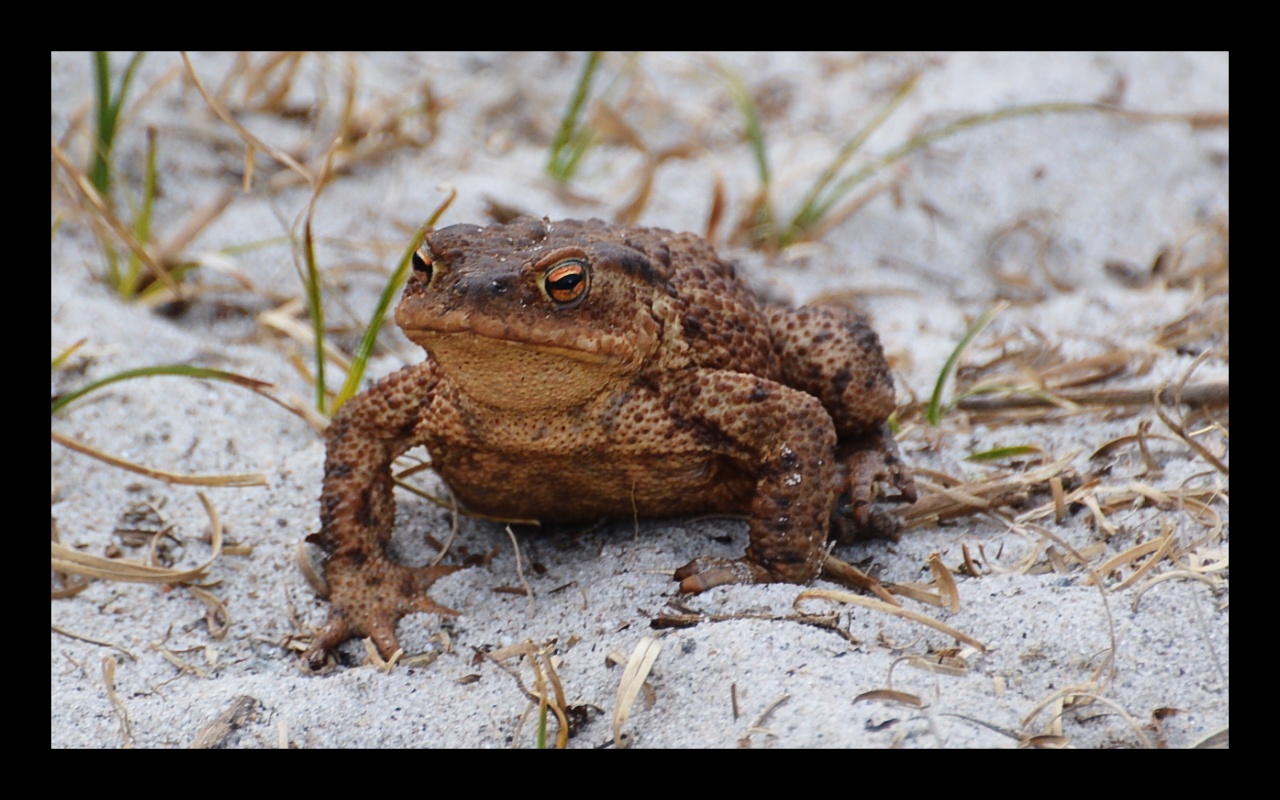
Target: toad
(579,371)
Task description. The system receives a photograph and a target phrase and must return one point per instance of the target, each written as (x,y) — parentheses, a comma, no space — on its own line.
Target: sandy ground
(1047,211)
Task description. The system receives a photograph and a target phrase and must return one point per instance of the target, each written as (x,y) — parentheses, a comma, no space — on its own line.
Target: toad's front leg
(368,592)
(787,440)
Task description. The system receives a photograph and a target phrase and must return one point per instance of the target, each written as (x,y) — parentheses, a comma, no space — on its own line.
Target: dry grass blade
(946,582)
(282,319)
(960,499)
(846,574)
(1180,574)
(919,592)
(117,705)
(965,499)
(1059,502)
(876,605)
(167,252)
(1129,555)
(938,665)
(758,725)
(218,616)
(91,640)
(1218,740)
(1141,438)
(827,622)
(715,214)
(528,590)
(1182,433)
(1082,692)
(69,588)
(1166,543)
(215,733)
(68,559)
(630,213)
(633,678)
(252,141)
(375,659)
(241,479)
(891,696)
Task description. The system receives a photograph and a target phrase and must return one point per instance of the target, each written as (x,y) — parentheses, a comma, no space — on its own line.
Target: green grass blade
(142,220)
(108,117)
(822,205)
(817,203)
(763,225)
(248,247)
(146,372)
(752,128)
(100,172)
(998,453)
(315,310)
(935,402)
(61,358)
(542,727)
(923,140)
(358,363)
(361,358)
(572,140)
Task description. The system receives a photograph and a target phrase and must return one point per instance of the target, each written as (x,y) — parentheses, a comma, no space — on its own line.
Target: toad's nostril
(482,287)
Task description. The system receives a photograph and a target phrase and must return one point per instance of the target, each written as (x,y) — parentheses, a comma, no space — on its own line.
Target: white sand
(1093,188)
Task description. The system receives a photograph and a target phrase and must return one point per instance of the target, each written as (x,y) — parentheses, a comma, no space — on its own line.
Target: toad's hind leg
(871,459)
(832,353)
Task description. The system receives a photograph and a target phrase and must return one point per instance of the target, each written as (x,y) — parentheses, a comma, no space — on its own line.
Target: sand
(1049,211)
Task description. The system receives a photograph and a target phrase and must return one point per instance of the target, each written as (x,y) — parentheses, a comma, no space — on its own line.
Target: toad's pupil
(566,283)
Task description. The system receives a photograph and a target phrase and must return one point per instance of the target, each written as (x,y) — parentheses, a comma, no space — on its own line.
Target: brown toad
(578,371)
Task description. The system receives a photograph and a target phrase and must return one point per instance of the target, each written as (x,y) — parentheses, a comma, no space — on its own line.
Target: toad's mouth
(475,336)
(435,341)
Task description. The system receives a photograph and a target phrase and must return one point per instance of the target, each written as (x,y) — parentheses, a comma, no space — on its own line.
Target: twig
(1208,393)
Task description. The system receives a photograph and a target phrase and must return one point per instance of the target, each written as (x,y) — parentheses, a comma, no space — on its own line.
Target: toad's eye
(567,282)
(422,264)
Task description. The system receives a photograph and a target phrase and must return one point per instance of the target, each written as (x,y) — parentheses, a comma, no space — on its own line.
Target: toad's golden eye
(567,282)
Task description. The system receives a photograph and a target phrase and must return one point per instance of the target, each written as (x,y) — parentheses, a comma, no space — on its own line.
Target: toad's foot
(872,459)
(709,572)
(706,573)
(367,599)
